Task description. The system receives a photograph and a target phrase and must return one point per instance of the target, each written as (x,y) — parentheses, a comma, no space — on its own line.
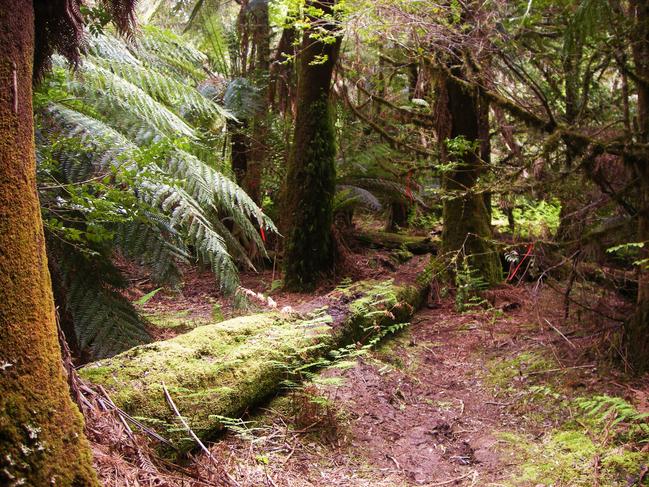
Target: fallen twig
(559,369)
(452,481)
(560,333)
(394,460)
(173,407)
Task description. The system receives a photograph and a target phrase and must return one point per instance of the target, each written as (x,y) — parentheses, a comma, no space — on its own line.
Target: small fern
(468,284)
(618,414)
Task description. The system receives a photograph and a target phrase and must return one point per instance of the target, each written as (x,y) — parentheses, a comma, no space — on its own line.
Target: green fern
(618,414)
(119,146)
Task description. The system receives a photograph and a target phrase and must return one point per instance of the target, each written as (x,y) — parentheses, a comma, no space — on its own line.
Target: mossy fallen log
(224,369)
(396,241)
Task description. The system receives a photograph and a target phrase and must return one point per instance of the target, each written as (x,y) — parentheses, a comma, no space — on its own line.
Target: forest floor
(507,394)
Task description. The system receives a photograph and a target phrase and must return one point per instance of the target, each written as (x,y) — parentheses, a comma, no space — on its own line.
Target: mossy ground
(578,440)
(177,321)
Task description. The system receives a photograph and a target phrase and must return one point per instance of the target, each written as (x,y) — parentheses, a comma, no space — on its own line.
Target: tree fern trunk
(310,181)
(41,431)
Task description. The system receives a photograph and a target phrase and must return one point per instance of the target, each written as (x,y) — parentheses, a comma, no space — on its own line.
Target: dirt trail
(480,398)
(414,412)
(426,408)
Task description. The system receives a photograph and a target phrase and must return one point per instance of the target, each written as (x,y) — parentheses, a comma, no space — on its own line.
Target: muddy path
(509,393)
(456,399)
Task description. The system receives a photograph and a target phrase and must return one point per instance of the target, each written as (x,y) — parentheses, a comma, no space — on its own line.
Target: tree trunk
(282,74)
(310,181)
(637,328)
(41,430)
(397,217)
(240,147)
(467,223)
(260,27)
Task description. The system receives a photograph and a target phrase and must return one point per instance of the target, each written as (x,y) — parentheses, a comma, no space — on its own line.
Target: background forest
(269,150)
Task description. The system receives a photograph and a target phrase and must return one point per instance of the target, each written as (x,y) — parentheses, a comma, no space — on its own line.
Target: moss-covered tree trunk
(310,182)
(637,328)
(467,222)
(41,431)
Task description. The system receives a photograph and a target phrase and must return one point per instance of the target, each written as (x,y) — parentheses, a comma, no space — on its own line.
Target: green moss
(568,458)
(179,321)
(224,369)
(579,437)
(41,430)
(310,190)
(501,373)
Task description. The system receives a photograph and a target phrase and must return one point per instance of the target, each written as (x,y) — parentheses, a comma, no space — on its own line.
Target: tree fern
(132,121)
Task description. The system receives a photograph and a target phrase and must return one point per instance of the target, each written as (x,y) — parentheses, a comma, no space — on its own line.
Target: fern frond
(166,90)
(156,244)
(109,148)
(106,90)
(185,211)
(105,322)
(170,54)
(352,196)
(389,190)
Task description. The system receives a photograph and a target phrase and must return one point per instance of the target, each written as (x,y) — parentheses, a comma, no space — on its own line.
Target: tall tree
(637,329)
(462,115)
(260,26)
(310,181)
(41,430)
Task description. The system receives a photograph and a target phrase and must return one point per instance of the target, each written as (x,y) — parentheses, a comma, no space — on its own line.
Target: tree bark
(260,26)
(397,217)
(310,181)
(467,222)
(282,74)
(41,430)
(636,334)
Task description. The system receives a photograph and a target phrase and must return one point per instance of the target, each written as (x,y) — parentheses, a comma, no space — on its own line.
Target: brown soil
(419,410)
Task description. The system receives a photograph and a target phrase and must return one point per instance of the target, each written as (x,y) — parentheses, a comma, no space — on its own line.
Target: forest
(364,243)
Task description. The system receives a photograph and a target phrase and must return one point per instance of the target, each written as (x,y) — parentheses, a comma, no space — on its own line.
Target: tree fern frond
(157,245)
(105,322)
(108,90)
(109,147)
(166,90)
(185,211)
(351,196)
(168,53)
(242,98)
(388,189)
(109,47)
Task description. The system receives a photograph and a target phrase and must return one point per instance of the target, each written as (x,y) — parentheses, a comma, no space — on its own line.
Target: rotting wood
(387,240)
(223,370)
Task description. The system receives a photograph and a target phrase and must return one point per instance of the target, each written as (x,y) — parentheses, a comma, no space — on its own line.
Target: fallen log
(223,370)
(396,241)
